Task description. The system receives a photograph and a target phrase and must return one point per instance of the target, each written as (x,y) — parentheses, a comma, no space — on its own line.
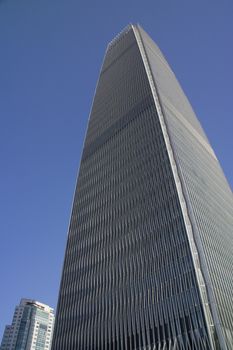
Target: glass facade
(31,328)
(6,339)
(207,194)
(24,328)
(135,276)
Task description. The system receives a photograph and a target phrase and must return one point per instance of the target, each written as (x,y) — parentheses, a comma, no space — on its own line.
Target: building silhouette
(149,255)
(31,328)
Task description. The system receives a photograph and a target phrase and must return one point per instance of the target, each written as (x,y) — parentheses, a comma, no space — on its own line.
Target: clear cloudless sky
(50,56)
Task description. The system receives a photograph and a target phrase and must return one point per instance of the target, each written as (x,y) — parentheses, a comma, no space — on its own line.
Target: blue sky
(50,56)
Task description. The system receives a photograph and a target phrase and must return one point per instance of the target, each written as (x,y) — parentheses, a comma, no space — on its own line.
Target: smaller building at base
(31,328)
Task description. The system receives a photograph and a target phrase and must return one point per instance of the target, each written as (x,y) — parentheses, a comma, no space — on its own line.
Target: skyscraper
(149,256)
(31,328)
